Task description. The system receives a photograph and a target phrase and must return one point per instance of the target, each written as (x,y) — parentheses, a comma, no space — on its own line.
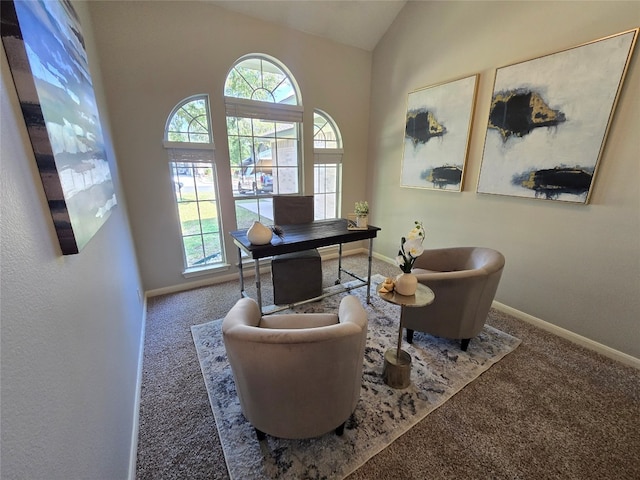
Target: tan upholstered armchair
(465,281)
(297,375)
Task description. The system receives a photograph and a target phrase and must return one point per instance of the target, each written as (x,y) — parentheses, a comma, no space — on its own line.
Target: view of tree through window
(264,123)
(263,129)
(190,123)
(261,80)
(188,140)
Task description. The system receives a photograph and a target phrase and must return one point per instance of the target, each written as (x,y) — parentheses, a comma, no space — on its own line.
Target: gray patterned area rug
(439,370)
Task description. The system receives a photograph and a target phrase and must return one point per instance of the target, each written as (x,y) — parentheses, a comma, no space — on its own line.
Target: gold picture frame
(436,135)
(549,120)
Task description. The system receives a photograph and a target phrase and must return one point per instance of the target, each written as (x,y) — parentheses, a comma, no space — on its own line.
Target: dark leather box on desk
(296,276)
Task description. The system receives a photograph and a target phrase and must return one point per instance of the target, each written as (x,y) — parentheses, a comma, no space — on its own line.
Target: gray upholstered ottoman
(296,276)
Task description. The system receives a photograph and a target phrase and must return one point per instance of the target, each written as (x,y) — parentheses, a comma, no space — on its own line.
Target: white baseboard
(249,272)
(391,261)
(332,252)
(559,331)
(327,254)
(133,454)
(569,335)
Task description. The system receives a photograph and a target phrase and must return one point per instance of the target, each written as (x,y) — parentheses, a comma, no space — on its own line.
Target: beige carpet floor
(549,410)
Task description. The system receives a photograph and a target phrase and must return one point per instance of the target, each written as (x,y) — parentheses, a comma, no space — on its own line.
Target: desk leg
(339,280)
(241,272)
(256,262)
(369,271)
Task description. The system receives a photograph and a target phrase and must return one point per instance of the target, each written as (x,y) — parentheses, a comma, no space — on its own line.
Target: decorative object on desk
(436,135)
(362,208)
(45,49)
(410,249)
(278,231)
(354,224)
(549,120)
(258,234)
(387,286)
(362,214)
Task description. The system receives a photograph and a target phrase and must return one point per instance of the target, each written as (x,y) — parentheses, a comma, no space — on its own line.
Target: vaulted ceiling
(359,23)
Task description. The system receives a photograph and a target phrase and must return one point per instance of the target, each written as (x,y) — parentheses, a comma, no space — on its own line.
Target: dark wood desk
(305,236)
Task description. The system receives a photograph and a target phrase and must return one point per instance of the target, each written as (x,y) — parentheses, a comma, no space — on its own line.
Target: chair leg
(340,429)
(260,434)
(409,336)
(464,344)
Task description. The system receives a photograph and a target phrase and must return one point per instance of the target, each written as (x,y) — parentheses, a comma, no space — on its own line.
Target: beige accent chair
(295,276)
(297,375)
(465,281)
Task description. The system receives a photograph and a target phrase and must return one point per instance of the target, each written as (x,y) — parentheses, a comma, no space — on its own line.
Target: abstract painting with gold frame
(549,119)
(436,135)
(45,49)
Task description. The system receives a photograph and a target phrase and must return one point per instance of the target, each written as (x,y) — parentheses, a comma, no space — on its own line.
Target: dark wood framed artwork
(45,49)
(436,135)
(549,119)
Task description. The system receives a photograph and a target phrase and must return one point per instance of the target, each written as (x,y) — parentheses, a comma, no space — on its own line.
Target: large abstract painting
(45,48)
(549,120)
(436,135)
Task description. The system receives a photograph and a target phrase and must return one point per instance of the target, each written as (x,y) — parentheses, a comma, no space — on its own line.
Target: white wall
(71,325)
(575,266)
(154,54)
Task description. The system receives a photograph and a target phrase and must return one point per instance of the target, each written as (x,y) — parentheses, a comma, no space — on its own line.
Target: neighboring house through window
(189,142)
(264,118)
(327,168)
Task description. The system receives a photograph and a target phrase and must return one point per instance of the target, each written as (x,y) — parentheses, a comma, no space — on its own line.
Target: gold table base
(397,370)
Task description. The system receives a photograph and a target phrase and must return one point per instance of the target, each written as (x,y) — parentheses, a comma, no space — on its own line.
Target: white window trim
(207,270)
(190,152)
(189,145)
(327,155)
(244,108)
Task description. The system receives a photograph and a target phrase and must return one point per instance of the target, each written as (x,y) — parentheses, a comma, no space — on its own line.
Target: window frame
(242,108)
(195,153)
(324,158)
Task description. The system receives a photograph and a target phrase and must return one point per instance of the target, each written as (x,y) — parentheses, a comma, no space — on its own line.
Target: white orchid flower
(416,233)
(413,247)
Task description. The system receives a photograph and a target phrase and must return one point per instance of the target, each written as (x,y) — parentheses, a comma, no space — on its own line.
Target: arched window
(264,118)
(189,142)
(189,122)
(327,166)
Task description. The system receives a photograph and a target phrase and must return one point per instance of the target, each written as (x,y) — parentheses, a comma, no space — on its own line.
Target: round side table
(397,362)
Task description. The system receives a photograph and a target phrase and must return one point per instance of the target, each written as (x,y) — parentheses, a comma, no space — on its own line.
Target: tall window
(264,116)
(189,143)
(327,168)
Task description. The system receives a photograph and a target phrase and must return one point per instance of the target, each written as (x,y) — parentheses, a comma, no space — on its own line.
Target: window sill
(208,270)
